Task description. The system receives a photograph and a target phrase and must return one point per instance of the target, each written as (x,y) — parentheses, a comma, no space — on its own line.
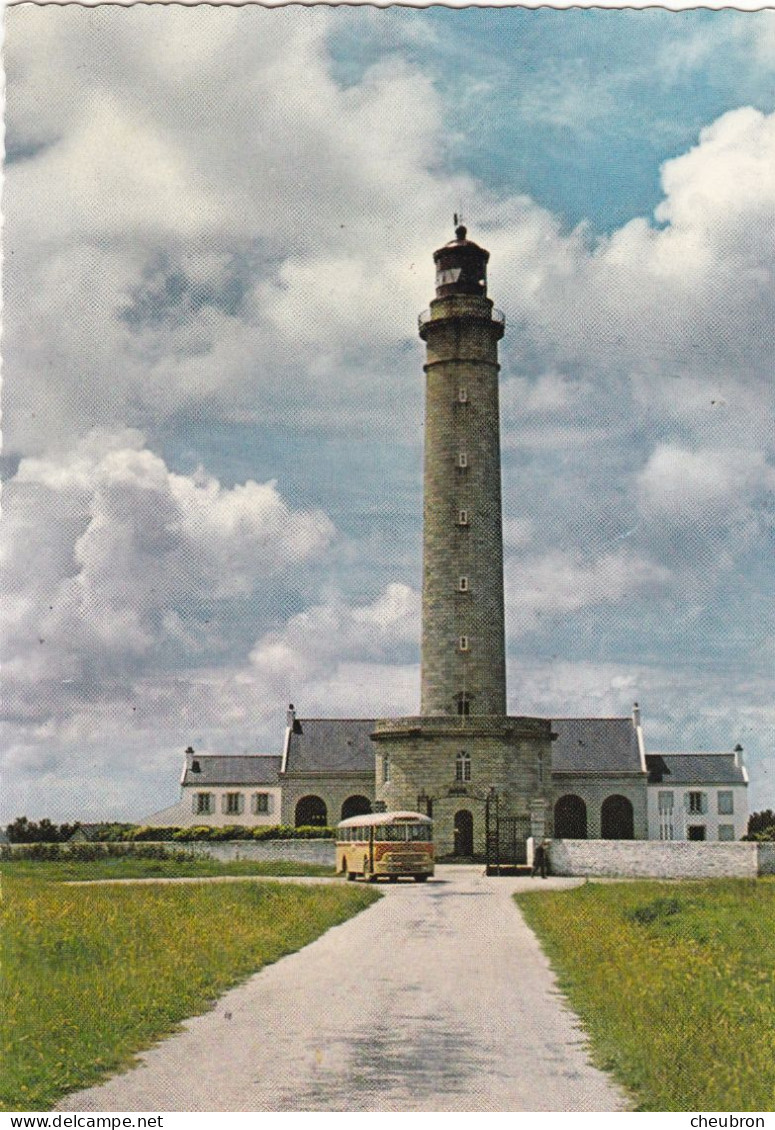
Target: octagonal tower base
(453,768)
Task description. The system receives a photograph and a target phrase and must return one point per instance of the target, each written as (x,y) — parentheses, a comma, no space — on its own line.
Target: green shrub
(204,832)
(90,852)
(654,911)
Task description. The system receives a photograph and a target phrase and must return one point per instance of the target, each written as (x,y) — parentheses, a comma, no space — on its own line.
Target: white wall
(650,859)
(710,819)
(184,814)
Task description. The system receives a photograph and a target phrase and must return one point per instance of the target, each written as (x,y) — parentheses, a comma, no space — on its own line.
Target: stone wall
(263,851)
(269,851)
(593,791)
(654,859)
(766,859)
(512,754)
(332,788)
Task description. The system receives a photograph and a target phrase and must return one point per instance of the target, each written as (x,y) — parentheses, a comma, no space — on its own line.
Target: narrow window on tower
(463,643)
(462,396)
(462,518)
(462,766)
(462,584)
(463,704)
(462,460)
(385,768)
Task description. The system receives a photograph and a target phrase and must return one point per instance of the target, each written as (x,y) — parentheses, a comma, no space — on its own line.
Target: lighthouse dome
(461,266)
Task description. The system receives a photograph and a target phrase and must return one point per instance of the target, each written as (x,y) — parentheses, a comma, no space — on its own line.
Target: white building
(697,796)
(217,790)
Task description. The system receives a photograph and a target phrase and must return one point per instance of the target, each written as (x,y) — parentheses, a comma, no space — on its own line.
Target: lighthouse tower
(463,753)
(463,645)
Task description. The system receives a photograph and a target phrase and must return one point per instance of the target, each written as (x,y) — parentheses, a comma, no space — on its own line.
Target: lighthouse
(463,753)
(463,637)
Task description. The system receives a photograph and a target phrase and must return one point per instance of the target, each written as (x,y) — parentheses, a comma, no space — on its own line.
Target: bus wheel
(393,878)
(420,878)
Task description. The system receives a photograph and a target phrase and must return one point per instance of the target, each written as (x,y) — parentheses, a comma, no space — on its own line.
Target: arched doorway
(311,811)
(616,819)
(570,818)
(464,832)
(355,806)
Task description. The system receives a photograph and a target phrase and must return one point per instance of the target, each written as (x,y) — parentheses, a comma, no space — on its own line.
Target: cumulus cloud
(193,237)
(658,306)
(709,489)
(556,584)
(324,637)
(127,555)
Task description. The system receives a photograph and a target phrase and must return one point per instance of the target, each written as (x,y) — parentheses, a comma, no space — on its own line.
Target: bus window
(390,833)
(419,832)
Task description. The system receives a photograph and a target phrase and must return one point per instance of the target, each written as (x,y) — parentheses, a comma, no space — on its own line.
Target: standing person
(540,859)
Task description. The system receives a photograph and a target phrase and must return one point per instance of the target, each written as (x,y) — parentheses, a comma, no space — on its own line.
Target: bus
(389,844)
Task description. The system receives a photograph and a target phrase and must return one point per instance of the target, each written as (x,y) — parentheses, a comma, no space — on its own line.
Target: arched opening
(311,811)
(464,832)
(570,818)
(356,806)
(616,819)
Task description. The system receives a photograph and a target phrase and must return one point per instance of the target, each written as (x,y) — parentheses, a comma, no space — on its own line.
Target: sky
(218,234)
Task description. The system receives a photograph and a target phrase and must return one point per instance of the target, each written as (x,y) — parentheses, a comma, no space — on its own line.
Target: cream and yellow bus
(385,843)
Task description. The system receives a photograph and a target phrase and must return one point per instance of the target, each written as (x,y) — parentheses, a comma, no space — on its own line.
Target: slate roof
(331,745)
(694,769)
(232,769)
(595,745)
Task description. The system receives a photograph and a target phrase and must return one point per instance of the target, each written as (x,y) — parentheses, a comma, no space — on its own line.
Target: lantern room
(461,266)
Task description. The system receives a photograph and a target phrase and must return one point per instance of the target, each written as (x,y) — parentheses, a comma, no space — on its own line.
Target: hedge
(89,853)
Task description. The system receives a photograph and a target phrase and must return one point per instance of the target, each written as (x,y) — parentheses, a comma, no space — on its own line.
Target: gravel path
(436,998)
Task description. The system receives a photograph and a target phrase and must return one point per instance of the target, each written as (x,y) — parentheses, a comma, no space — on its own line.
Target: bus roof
(384,818)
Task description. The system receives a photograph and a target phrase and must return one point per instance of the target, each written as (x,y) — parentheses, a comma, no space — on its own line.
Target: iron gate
(506,839)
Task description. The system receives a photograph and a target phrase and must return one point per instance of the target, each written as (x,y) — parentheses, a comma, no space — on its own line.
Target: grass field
(132,868)
(675,984)
(92,975)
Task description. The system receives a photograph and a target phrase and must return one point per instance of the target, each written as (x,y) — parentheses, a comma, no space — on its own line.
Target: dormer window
(462,584)
(463,643)
(462,518)
(462,460)
(462,396)
(195,766)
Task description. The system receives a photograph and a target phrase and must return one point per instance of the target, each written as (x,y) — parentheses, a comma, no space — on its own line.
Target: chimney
(290,716)
(635,715)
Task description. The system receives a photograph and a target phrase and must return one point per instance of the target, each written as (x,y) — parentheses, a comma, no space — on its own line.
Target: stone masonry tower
(463,647)
(463,756)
